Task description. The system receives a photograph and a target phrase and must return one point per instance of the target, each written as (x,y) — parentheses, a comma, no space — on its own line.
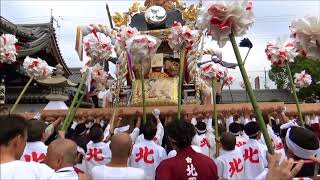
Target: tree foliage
(312,67)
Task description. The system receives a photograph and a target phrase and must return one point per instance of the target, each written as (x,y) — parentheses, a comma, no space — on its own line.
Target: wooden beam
(306,108)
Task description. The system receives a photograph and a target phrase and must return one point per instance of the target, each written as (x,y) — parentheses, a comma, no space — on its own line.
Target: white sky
(272,19)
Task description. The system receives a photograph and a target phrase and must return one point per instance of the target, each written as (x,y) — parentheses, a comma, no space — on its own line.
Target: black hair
(304,138)
(252,129)
(228,141)
(242,127)
(283,133)
(235,128)
(80,128)
(201,126)
(149,130)
(180,132)
(96,133)
(35,130)
(11,126)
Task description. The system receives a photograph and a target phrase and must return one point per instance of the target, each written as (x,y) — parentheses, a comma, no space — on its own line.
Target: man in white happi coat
(204,137)
(13,136)
(160,130)
(254,153)
(35,149)
(38,133)
(147,155)
(235,129)
(98,151)
(230,161)
(117,168)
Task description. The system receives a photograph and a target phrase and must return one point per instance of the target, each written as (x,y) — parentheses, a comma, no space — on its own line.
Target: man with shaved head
(13,137)
(230,160)
(61,157)
(117,168)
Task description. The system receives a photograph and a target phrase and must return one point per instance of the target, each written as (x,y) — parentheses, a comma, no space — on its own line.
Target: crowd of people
(162,148)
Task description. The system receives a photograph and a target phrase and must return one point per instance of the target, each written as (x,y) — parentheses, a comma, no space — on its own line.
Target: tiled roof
(263,95)
(33,38)
(75,77)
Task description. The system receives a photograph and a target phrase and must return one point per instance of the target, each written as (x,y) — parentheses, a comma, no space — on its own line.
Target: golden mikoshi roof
(189,13)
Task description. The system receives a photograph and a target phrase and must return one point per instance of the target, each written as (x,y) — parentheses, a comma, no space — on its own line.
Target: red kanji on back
(235,166)
(34,157)
(204,142)
(93,154)
(249,153)
(144,153)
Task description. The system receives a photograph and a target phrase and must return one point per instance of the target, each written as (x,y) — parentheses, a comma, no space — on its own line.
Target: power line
(34,17)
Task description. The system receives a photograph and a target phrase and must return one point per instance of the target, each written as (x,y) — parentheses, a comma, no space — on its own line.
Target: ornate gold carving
(189,13)
(134,8)
(119,19)
(159,92)
(164,3)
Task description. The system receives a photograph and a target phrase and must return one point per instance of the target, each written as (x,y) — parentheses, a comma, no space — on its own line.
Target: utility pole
(265,79)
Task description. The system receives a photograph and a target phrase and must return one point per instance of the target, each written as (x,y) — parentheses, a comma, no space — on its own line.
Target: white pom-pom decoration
(306,33)
(142,47)
(8,50)
(223,16)
(181,36)
(37,68)
(125,33)
(212,70)
(302,79)
(281,51)
(99,48)
(99,74)
(228,79)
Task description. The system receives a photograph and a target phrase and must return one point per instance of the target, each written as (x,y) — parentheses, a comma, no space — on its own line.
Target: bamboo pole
(116,101)
(69,113)
(74,111)
(144,104)
(180,84)
(118,89)
(215,114)
(293,88)
(252,97)
(21,94)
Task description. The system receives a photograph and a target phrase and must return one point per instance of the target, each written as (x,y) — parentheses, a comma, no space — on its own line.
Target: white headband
(123,128)
(253,135)
(82,133)
(201,131)
(298,151)
(235,134)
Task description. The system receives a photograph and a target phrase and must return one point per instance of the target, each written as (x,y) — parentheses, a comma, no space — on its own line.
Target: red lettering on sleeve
(204,142)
